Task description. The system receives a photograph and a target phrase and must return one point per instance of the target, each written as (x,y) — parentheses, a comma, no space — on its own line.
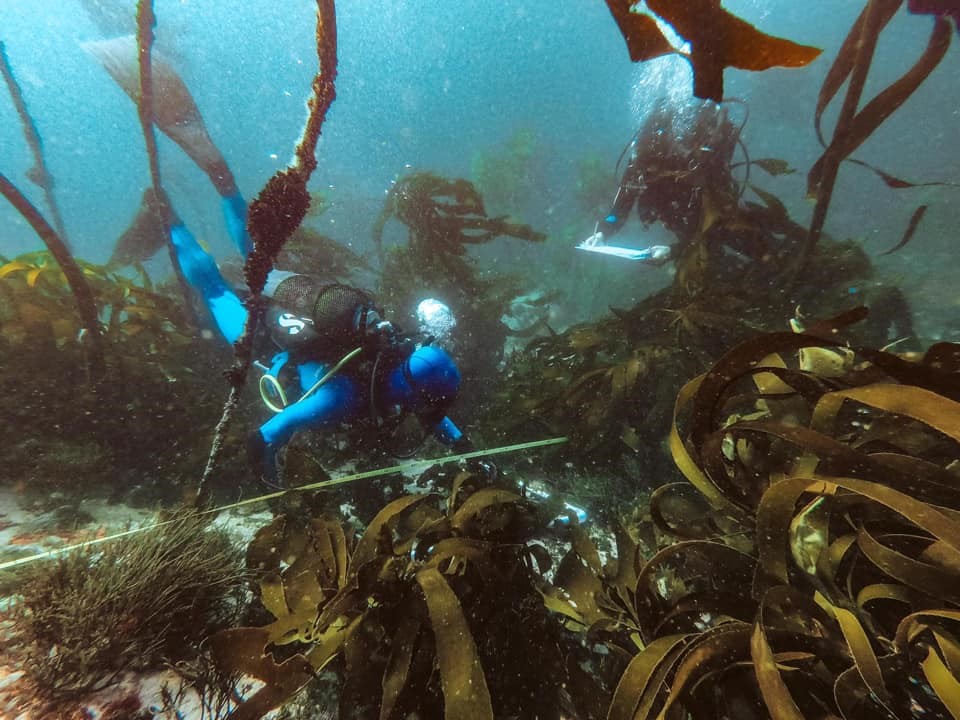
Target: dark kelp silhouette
(945,8)
(911,229)
(38,174)
(145,235)
(717,38)
(86,304)
(854,123)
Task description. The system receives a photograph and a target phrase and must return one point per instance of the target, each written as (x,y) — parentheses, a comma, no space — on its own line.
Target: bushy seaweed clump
(444,218)
(131,604)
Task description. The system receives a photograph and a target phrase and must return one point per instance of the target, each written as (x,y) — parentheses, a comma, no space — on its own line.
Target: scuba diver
(675,154)
(335,351)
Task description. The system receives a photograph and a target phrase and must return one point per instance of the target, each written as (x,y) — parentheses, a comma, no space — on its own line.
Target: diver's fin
(235,217)
(174,109)
(145,235)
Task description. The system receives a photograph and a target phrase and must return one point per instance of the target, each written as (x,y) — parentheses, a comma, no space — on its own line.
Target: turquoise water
(440,87)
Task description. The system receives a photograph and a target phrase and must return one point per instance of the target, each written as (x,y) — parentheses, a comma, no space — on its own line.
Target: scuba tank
(324,319)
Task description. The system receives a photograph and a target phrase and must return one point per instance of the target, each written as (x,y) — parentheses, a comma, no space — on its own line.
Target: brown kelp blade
(644,39)
(911,229)
(875,112)
(174,109)
(145,235)
(719,39)
(847,56)
(886,103)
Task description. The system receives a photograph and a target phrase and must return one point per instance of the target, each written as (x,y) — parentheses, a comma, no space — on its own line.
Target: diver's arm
(201,271)
(334,402)
(626,198)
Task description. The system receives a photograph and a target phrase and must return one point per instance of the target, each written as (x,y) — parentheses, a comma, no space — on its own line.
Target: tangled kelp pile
(807,567)
(432,612)
(822,580)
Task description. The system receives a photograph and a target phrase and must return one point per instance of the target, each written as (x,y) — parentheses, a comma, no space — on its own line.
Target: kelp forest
(735,497)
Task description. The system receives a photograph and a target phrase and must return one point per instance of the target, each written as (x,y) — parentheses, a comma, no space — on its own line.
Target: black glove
(263,459)
(482,467)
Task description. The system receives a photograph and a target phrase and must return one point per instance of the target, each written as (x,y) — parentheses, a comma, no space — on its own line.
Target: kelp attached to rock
(826,583)
(434,611)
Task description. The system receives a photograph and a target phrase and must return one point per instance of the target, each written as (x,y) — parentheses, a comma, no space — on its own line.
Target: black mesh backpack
(330,319)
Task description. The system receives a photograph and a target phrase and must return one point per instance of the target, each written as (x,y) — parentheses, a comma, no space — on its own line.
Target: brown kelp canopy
(823,581)
(718,40)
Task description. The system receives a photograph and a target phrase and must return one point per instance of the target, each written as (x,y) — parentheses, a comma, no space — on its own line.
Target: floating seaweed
(444,216)
(911,229)
(717,39)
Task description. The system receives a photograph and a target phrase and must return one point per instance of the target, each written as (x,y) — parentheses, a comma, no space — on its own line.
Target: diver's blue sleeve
(201,271)
(235,216)
(447,432)
(336,401)
(626,198)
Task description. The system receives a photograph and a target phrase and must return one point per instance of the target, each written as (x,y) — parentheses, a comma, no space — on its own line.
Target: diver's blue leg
(235,216)
(201,271)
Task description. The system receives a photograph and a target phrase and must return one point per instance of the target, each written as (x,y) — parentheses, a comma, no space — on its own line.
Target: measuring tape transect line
(405,467)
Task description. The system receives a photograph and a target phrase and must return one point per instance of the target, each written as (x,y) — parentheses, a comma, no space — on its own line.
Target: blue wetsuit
(422,382)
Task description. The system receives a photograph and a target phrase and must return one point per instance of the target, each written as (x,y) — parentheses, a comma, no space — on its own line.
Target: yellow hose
(274,384)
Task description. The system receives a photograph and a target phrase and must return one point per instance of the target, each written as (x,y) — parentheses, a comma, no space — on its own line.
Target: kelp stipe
(38,174)
(855,123)
(53,237)
(86,304)
(273,217)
